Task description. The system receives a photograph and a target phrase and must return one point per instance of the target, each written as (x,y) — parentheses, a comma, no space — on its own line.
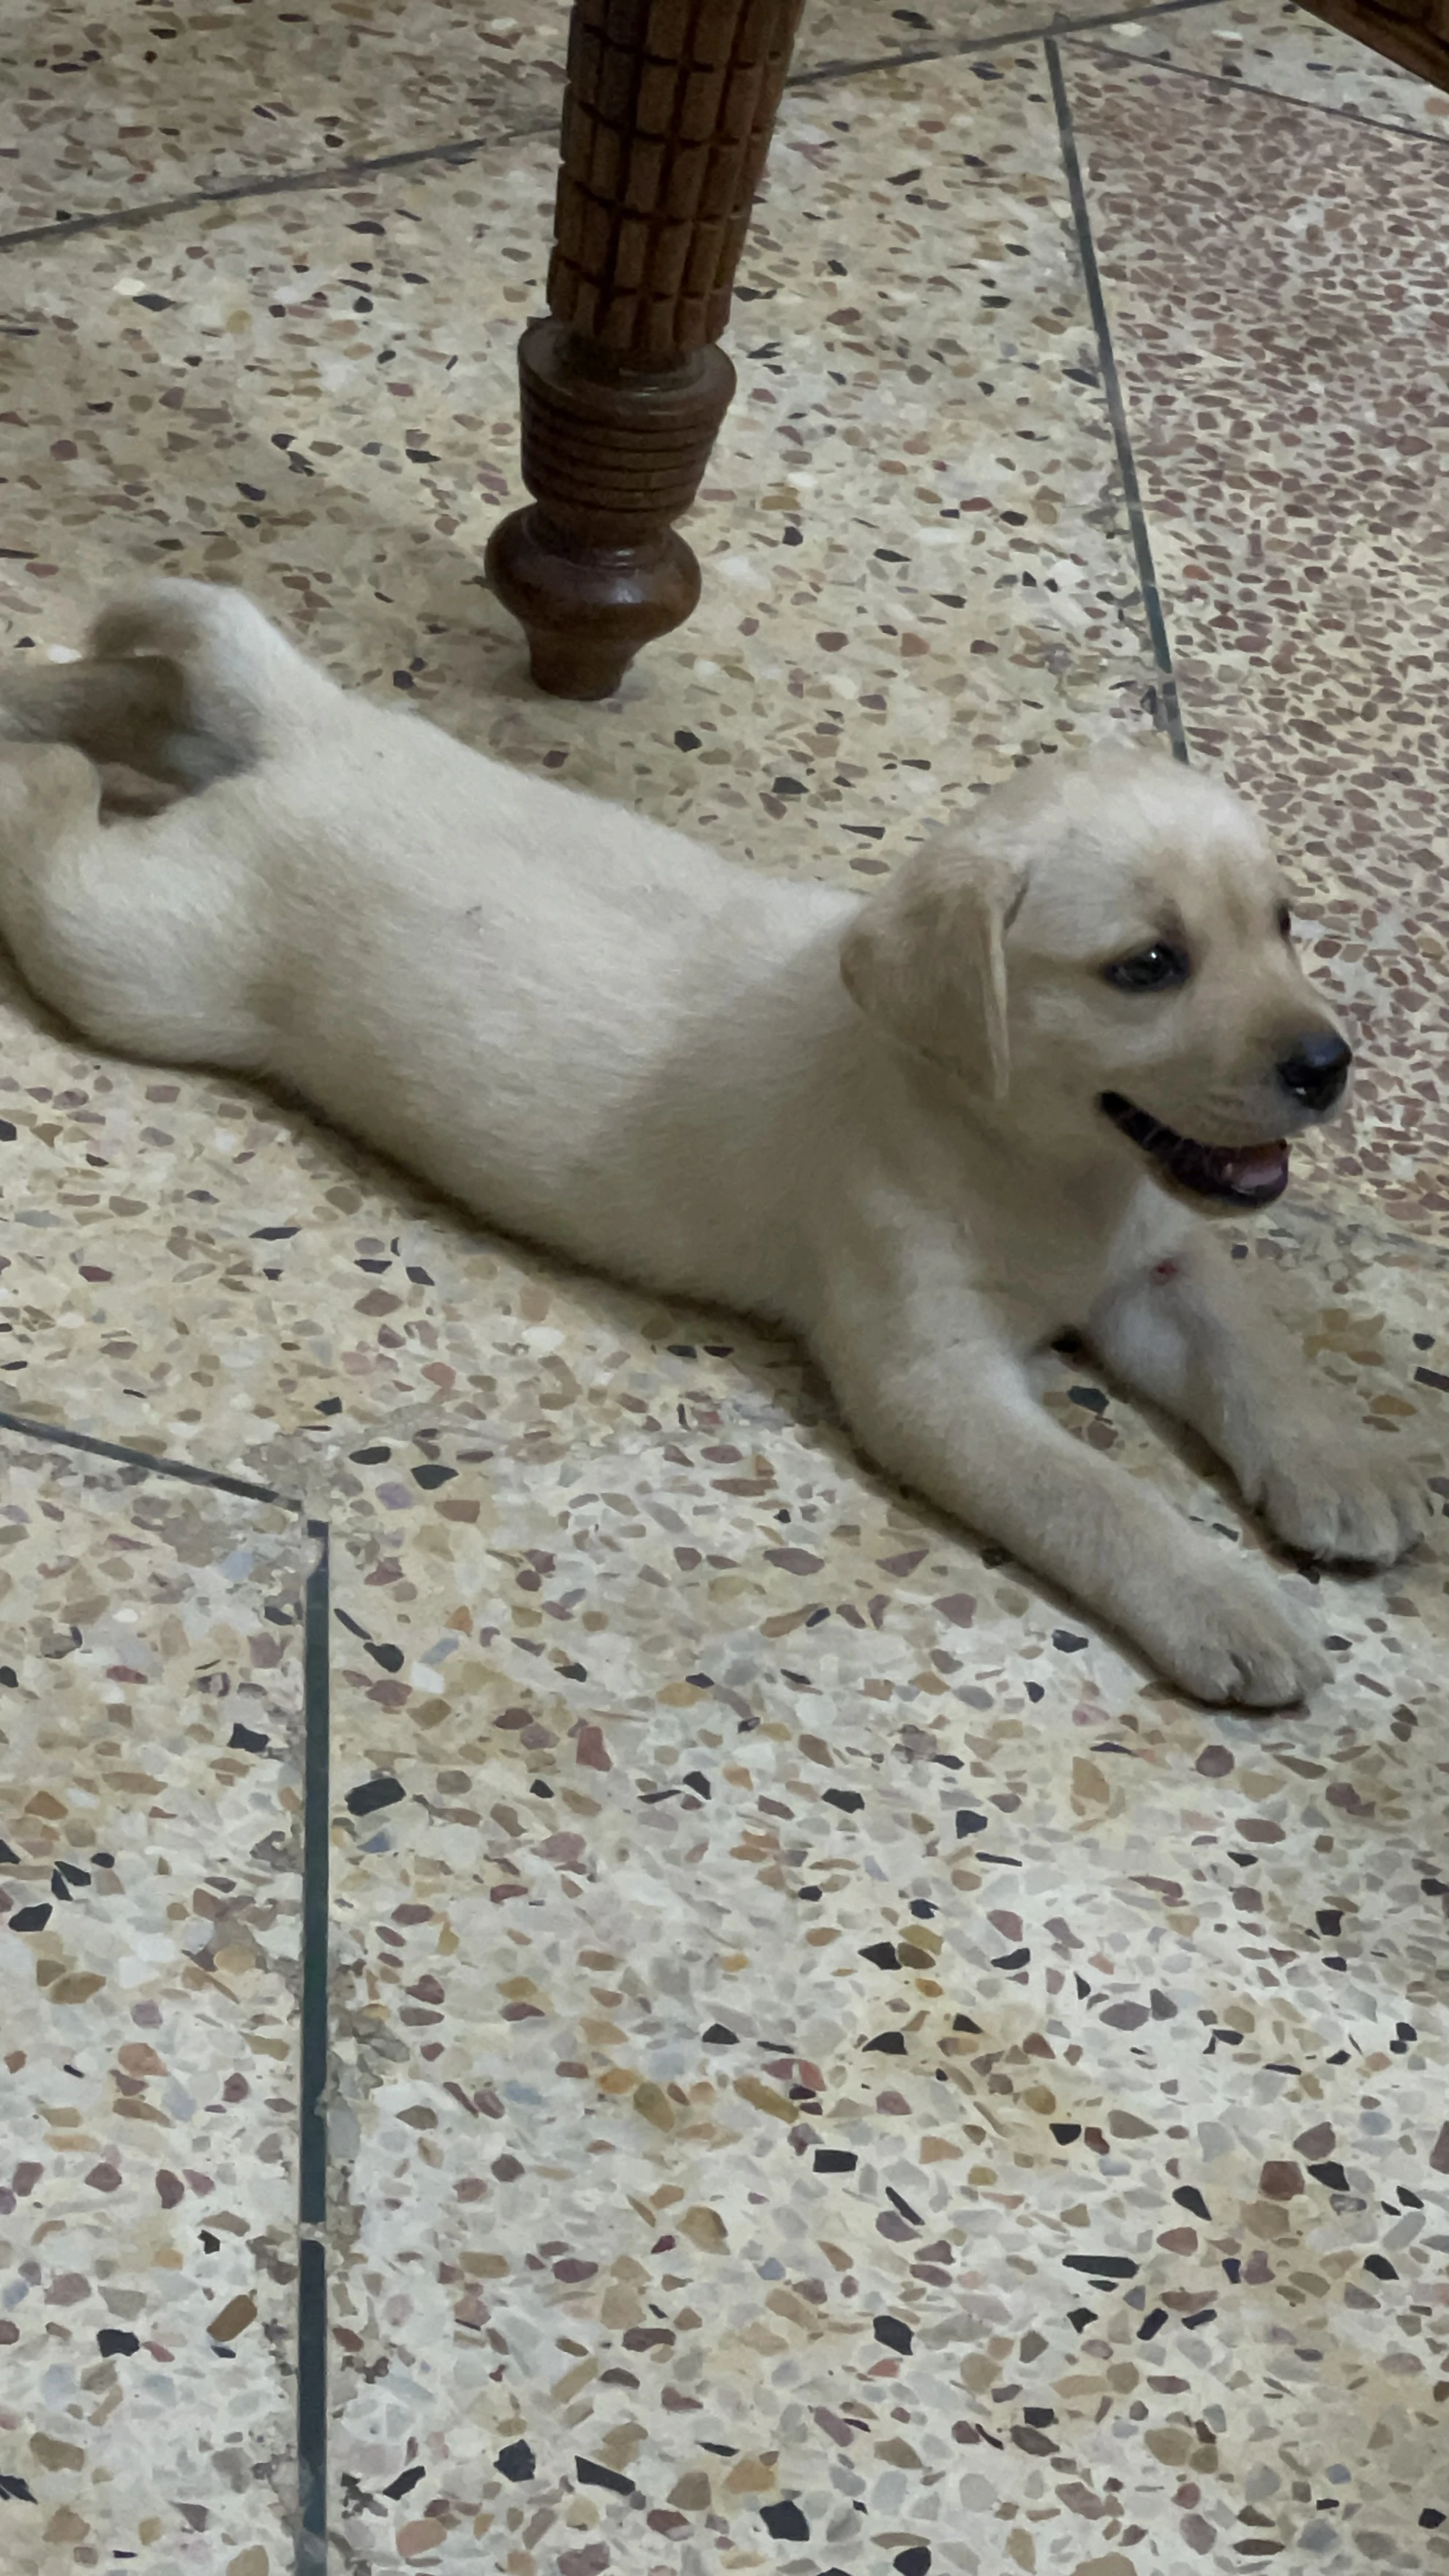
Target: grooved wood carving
(667,121)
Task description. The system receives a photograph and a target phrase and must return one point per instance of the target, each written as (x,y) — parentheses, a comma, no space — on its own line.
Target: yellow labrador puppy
(929,1130)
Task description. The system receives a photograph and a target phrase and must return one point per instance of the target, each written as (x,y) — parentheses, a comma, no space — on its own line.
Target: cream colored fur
(875,1121)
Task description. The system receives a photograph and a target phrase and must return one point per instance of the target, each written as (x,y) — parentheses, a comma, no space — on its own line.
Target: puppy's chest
(1046,1264)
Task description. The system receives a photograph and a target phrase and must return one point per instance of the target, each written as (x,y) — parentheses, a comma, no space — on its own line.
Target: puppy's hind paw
(243,688)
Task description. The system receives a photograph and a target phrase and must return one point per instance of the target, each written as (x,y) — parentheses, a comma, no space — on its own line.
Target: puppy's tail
(243,689)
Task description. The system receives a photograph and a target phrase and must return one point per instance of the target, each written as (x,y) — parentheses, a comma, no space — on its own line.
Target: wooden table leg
(667,120)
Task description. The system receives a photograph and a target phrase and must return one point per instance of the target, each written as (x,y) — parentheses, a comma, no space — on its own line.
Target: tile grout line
(1111,385)
(289,183)
(311,2554)
(1005,40)
(159,1466)
(467,148)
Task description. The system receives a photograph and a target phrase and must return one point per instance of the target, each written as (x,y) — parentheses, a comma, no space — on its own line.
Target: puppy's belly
(625,1137)
(591,1187)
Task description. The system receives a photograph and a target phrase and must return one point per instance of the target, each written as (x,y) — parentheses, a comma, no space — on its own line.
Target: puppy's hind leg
(135,933)
(49,811)
(245,691)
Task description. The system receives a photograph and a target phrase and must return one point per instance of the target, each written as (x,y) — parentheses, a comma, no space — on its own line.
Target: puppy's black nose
(1317,1070)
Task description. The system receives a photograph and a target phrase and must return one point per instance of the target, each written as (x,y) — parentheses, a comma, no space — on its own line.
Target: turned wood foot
(667,121)
(615,455)
(586,614)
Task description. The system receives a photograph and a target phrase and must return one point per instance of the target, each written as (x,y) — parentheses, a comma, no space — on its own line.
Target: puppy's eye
(1285,922)
(1152,970)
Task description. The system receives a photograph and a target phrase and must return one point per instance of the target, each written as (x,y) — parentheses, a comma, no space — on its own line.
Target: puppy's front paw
(1228,1639)
(1344,1496)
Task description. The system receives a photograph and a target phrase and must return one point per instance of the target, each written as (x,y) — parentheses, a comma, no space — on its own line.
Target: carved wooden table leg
(667,120)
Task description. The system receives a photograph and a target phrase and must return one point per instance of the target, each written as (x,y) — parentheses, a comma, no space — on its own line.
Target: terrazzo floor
(826,2065)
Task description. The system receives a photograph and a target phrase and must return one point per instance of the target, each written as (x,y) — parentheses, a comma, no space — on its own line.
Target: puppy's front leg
(1194,1336)
(947,1409)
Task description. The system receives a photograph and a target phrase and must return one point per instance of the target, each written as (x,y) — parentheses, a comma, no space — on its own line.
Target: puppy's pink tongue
(1251,1174)
(1254,1168)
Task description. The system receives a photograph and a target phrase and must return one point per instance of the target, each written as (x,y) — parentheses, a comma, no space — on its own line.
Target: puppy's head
(1102,953)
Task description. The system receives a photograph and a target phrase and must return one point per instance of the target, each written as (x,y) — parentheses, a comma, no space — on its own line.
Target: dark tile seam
(287,183)
(1230,86)
(311,2554)
(124,1457)
(1004,40)
(1171,711)
(347,174)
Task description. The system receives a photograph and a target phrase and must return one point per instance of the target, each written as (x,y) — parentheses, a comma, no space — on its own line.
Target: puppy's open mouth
(1247,1175)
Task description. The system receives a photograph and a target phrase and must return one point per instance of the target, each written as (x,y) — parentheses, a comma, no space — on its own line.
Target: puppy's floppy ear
(927,957)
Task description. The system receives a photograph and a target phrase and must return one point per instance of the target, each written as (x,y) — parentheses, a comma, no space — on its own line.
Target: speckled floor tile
(858,31)
(930,576)
(149,1780)
(831,2055)
(112,113)
(1281,316)
(1274,45)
